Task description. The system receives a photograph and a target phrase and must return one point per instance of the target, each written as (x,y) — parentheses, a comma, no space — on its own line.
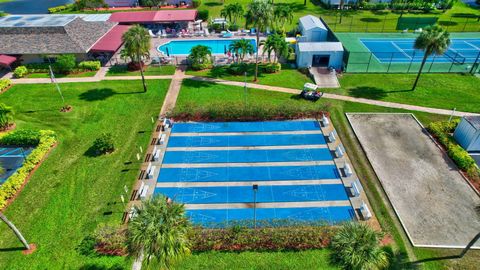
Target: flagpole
(52,77)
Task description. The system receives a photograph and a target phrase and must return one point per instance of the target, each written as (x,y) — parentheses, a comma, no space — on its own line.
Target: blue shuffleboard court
(212,167)
(401,50)
(11,158)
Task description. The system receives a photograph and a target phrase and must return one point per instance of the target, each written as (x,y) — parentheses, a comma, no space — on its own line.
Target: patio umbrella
(224,49)
(168,52)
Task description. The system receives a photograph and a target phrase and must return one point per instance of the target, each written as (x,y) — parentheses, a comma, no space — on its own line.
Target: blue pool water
(288,160)
(11,158)
(183,47)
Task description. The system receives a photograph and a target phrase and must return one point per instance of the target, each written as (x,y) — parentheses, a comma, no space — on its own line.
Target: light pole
(245,92)
(255,189)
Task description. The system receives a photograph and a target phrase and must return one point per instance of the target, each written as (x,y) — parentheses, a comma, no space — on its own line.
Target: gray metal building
(467,133)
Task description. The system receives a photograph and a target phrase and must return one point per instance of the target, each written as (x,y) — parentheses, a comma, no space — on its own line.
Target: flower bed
(5,84)
(43,141)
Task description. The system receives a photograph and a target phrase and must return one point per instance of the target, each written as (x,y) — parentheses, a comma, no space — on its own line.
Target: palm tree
(433,39)
(6,116)
(200,55)
(232,11)
(241,47)
(137,47)
(340,6)
(261,11)
(15,230)
(275,43)
(159,231)
(356,246)
(282,15)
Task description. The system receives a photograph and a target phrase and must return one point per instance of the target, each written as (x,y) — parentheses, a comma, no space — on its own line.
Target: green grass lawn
(71,193)
(73,75)
(446,91)
(150,71)
(287,77)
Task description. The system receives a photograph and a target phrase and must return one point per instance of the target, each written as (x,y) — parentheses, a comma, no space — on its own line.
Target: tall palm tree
(282,15)
(159,231)
(6,116)
(232,12)
(261,11)
(137,47)
(340,6)
(241,47)
(275,43)
(433,39)
(200,54)
(15,230)
(356,246)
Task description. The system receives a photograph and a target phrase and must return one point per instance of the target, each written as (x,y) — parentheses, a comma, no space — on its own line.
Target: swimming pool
(183,47)
(11,158)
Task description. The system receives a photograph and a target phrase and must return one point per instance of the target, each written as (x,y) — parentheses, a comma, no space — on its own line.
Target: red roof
(111,41)
(154,16)
(6,60)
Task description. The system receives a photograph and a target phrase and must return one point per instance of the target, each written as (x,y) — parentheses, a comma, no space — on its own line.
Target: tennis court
(212,168)
(11,158)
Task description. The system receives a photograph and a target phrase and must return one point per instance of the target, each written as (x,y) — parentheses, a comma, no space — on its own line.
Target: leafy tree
(65,63)
(232,12)
(261,14)
(90,4)
(104,144)
(159,230)
(137,47)
(275,43)
(433,39)
(6,116)
(200,57)
(356,246)
(241,47)
(282,15)
(150,3)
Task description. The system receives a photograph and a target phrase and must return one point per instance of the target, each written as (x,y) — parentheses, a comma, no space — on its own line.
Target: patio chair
(150,32)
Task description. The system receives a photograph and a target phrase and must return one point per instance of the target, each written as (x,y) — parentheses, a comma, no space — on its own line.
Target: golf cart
(310,92)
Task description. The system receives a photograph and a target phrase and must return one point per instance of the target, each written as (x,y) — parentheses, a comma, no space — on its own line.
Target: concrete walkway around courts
(173,90)
(338,97)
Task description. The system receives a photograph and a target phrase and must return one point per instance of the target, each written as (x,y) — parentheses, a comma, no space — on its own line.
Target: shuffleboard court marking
(266,205)
(191,134)
(247,164)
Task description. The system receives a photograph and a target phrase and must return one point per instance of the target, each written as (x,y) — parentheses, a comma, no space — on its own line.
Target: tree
(356,246)
(241,47)
(136,47)
(200,57)
(6,116)
(232,12)
(159,231)
(275,43)
(261,12)
(65,63)
(340,6)
(282,15)
(15,230)
(433,39)
(150,3)
(90,4)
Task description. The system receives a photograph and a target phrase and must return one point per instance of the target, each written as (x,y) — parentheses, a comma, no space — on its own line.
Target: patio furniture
(150,32)
(228,34)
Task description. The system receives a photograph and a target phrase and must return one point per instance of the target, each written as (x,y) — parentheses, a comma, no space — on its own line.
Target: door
(320,60)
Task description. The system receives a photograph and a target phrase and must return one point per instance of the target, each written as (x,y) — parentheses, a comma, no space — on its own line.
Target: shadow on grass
(197,84)
(371,92)
(102,94)
(92,266)
(213,4)
(370,20)
(447,23)
(12,249)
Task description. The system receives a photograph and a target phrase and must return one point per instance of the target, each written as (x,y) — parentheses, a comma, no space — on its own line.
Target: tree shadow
(464,15)
(447,23)
(213,4)
(371,92)
(370,20)
(97,94)
(12,249)
(451,257)
(92,266)
(197,83)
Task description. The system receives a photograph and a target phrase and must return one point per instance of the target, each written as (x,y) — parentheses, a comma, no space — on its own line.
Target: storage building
(467,133)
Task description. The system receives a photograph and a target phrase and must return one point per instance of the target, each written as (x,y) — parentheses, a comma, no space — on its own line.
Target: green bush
(203,14)
(10,187)
(4,84)
(60,8)
(21,137)
(201,66)
(233,27)
(20,72)
(65,63)
(89,65)
(110,240)
(196,3)
(103,144)
(237,68)
(271,68)
(6,116)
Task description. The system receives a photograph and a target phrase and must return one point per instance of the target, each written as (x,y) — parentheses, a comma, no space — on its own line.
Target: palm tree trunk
(141,73)
(304,2)
(470,244)
(15,230)
(420,71)
(341,11)
(256,55)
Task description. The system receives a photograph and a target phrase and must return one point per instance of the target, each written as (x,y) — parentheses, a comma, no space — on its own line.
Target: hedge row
(441,131)
(22,71)
(60,8)
(262,239)
(4,84)
(45,138)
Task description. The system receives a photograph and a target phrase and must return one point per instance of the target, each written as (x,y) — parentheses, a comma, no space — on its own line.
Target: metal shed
(312,29)
(319,54)
(467,133)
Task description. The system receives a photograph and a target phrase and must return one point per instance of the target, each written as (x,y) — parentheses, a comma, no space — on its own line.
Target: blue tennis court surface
(11,158)
(216,181)
(402,51)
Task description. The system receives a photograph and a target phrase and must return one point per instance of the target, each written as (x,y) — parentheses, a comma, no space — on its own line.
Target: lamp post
(255,189)
(245,94)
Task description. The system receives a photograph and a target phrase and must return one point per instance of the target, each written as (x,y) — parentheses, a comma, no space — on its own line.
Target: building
(134,3)
(314,48)
(336,3)
(467,133)
(154,17)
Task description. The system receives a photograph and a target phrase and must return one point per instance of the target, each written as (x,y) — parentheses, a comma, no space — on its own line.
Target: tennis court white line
(266,205)
(227,148)
(247,164)
(470,44)
(248,183)
(190,134)
(401,50)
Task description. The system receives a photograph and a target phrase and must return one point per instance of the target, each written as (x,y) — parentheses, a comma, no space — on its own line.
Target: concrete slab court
(433,201)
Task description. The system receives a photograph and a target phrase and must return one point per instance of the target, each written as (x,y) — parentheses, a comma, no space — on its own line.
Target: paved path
(173,90)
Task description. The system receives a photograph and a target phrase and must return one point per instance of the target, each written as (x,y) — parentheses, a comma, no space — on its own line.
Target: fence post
(390,63)
(411,61)
(384,20)
(465,25)
(433,61)
(369,60)
(351,23)
(475,64)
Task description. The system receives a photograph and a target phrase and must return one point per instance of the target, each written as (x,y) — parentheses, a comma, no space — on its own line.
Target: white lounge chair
(150,32)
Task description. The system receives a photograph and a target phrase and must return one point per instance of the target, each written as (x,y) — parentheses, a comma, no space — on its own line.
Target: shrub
(65,63)
(103,144)
(46,139)
(196,3)
(203,14)
(60,8)
(20,72)
(6,116)
(21,137)
(111,240)
(201,66)
(237,68)
(233,27)
(216,27)
(4,84)
(271,68)
(89,65)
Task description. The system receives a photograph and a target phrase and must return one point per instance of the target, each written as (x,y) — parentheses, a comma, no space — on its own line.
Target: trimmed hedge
(45,138)
(441,131)
(89,65)
(262,239)
(60,8)
(4,84)
(20,72)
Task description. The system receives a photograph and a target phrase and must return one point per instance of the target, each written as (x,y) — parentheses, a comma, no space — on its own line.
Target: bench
(355,189)
(339,151)
(366,214)
(143,193)
(151,172)
(347,170)
(325,121)
(331,137)
(162,139)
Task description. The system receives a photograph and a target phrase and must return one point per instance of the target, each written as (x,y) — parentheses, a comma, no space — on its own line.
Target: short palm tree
(282,15)
(200,54)
(356,246)
(137,47)
(261,14)
(433,39)
(6,116)
(275,43)
(241,47)
(232,12)
(159,230)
